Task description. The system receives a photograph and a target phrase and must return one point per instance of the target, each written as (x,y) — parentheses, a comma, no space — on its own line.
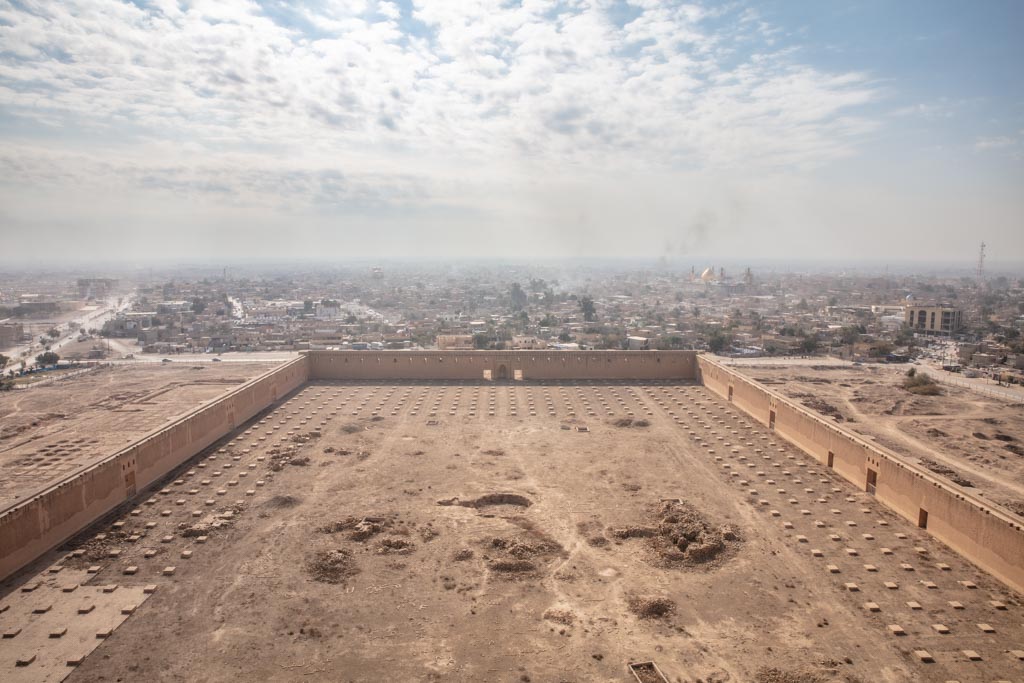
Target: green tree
(718,341)
(809,345)
(517,297)
(588,308)
(481,340)
(48,358)
(850,334)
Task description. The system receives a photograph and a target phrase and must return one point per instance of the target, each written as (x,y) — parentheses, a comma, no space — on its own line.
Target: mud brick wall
(988,536)
(502,365)
(34,526)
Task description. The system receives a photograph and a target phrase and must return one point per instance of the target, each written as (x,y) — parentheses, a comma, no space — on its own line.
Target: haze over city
(236,129)
(568,341)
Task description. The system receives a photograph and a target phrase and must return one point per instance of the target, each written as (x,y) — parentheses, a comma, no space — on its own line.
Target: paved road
(91,319)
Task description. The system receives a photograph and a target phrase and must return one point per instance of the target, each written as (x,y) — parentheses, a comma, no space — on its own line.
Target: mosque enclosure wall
(501,365)
(33,526)
(988,536)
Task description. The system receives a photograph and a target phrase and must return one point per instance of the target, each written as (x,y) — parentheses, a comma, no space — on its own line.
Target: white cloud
(996,142)
(258,107)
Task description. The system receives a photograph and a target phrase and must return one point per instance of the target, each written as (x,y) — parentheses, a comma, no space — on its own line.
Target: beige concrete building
(455,342)
(11,334)
(934,319)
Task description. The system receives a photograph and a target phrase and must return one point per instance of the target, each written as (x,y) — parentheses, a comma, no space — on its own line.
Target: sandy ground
(47,432)
(379,532)
(974,440)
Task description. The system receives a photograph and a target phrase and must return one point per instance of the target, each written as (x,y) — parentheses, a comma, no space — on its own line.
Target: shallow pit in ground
(488,500)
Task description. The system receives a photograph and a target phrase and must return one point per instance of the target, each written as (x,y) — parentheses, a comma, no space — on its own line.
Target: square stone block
(85,609)
(972,655)
(885,551)
(131,569)
(924,656)
(930,585)
(852,587)
(832,569)
(169,571)
(940,628)
(955,604)
(968,584)
(896,630)
(986,628)
(997,605)
(914,605)
(891,585)
(817,553)
(872,607)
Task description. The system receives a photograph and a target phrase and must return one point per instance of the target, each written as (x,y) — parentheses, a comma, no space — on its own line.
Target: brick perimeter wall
(535,365)
(36,525)
(990,537)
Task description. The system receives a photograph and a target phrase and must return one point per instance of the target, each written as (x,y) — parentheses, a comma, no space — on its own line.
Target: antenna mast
(981,262)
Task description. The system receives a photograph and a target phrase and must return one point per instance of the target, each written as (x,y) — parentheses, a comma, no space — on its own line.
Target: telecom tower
(981,262)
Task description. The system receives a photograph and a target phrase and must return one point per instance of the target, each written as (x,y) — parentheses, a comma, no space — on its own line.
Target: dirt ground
(47,432)
(529,532)
(974,440)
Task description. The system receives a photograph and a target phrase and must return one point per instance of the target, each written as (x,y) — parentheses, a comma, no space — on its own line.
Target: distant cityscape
(969,324)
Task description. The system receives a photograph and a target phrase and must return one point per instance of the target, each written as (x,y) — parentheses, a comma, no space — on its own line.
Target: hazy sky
(346,128)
